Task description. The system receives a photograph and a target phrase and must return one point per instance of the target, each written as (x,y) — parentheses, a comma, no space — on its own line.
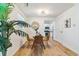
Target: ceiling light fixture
(43,12)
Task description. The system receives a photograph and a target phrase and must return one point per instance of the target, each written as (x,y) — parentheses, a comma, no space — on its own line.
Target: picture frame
(68,23)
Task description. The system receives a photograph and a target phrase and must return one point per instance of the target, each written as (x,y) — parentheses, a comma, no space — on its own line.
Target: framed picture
(68,23)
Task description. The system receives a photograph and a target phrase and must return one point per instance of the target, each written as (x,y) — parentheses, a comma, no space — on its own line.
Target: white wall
(69,37)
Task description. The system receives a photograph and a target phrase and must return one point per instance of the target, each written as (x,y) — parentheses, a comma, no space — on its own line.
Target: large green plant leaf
(4,10)
(5,42)
(21,23)
(18,32)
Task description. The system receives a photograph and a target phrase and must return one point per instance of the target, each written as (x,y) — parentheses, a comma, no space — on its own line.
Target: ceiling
(43,9)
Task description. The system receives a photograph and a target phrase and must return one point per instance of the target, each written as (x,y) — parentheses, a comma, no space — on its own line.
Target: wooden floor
(53,48)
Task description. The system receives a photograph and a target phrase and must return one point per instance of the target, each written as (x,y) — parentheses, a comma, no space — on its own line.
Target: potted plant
(7,27)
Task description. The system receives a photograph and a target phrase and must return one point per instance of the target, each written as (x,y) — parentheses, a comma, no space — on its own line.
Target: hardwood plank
(53,48)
